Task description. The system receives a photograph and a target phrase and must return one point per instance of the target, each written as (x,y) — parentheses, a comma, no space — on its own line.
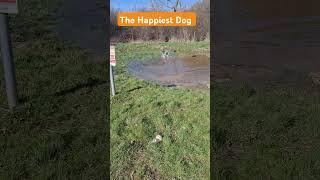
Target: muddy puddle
(187,71)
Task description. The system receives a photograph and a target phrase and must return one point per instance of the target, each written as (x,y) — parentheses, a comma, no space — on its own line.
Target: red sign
(9,6)
(112,56)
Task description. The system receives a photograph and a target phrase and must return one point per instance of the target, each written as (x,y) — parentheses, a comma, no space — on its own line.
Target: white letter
(170,20)
(150,21)
(122,19)
(140,20)
(189,22)
(156,21)
(178,19)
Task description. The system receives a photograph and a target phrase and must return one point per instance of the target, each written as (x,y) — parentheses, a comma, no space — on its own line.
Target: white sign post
(8,6)
(112,63)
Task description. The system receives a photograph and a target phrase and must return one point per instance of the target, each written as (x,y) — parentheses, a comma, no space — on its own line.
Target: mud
(188,71)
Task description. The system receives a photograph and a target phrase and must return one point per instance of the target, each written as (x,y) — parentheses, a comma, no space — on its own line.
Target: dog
(166,53)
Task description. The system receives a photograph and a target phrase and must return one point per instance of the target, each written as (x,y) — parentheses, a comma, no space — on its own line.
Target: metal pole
(113,90)
(7,59)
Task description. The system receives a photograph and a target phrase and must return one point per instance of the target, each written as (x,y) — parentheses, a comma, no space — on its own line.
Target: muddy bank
(83,22)
(187,71)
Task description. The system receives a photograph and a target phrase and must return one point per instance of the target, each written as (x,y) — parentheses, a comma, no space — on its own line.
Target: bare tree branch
(170,4)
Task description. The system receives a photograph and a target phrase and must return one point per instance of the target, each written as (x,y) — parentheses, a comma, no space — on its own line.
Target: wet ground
(190,71)
(83,23)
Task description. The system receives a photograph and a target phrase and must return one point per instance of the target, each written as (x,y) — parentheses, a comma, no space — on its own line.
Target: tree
(174,5)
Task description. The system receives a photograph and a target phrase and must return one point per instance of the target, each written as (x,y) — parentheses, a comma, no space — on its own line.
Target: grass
(141,110)
(265,133)
(59,131)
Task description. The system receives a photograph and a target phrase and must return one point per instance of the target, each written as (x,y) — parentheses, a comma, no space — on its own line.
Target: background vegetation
(198,33)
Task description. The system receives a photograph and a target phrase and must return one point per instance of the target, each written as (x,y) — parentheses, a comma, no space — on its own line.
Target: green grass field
(265,133)
(141,110)
(60,129)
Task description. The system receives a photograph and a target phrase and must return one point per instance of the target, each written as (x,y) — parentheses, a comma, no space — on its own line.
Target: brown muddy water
(187,71)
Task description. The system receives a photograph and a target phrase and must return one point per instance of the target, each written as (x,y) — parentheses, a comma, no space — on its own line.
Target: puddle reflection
(181,71)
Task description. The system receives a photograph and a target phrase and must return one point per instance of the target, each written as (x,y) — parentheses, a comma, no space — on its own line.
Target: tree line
(201,32)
